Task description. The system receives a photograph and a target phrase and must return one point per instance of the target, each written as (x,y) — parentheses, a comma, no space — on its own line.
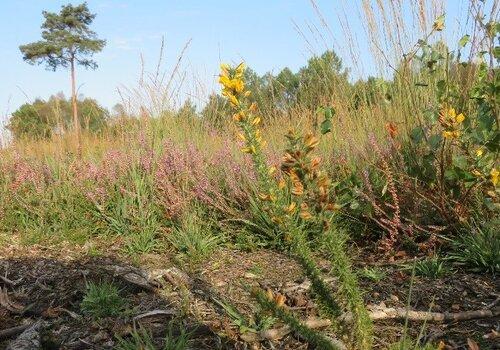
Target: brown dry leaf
(52,312)
(472,344)
(280,300)
(441,345)
(400,254)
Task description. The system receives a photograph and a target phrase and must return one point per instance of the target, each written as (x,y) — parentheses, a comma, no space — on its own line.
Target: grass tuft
(102,300)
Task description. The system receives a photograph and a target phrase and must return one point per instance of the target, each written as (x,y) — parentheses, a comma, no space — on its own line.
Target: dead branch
(380,313)
(133,275)
(28,340)
(168,312)
(9,304)
(10,332)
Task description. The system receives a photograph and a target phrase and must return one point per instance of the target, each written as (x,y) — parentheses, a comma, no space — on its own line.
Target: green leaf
(460,161)
(435,141)
(431,115)
(417,134)
(451,174)
(326,125)
(464,40)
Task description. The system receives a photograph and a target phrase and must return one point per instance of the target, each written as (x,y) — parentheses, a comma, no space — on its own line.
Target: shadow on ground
(50,290)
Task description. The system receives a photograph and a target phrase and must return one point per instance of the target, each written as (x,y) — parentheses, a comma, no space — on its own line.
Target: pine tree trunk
(76,122)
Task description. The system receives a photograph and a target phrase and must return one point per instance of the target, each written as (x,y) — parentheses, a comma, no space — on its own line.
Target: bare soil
(48,283)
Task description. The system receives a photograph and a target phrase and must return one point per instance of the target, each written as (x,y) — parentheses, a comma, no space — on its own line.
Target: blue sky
(262,33)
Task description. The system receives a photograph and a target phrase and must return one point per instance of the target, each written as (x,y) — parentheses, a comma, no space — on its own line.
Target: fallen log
(10,332)
(28,340)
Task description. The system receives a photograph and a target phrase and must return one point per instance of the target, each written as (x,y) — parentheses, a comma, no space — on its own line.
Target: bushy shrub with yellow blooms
(454,150)
(297,204)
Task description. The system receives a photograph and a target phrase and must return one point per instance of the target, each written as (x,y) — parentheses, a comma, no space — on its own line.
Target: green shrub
(431,268)
(479,250)
(193,240)
(102,300)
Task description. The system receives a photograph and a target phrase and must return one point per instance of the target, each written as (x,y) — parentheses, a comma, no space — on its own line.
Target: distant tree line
(44,119)
(321,82)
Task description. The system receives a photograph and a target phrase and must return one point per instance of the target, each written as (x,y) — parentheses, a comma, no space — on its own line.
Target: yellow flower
(271,170)
(438,24)
(281,184)
(280,300)
(267,197)
(479,152)
(256,121)
(238,117)
(238,85)
(451,134)
(224,80)
(288,159)
(447,134)
(289,209)
(304,211)
(249,150)
(452,113)
(234,101)
(315,162)
(460,118)
(494,176)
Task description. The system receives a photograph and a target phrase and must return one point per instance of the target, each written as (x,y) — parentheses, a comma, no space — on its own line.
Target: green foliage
(67,39)
(431,268)
(439,167)
(194,239)
(102,300)
(130,209)
(455,148)
(479,250)
(43,119)
(56,213)
(216,111)
(177,338)
(311,86)
(259,323)
(372,273)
